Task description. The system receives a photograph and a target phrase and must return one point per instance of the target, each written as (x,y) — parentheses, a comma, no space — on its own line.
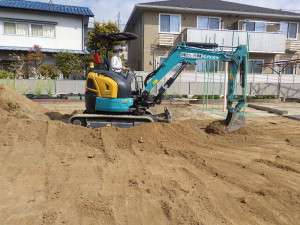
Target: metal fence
(56,87)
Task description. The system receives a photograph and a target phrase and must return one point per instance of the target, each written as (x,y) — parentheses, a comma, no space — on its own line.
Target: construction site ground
(187,172)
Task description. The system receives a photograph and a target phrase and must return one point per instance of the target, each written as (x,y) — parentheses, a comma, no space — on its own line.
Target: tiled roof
(218,5)
(49,7)
(50,50)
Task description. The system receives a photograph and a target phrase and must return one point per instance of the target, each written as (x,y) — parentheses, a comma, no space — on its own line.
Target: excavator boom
(189,53)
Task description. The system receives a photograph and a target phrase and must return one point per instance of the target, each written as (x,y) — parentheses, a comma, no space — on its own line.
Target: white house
(53,27)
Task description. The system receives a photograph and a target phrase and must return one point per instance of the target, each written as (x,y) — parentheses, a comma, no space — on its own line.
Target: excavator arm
(188,53)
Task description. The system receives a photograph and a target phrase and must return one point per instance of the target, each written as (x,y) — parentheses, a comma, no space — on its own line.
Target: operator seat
(107,64)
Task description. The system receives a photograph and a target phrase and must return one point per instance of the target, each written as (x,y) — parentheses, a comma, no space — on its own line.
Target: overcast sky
(108,10)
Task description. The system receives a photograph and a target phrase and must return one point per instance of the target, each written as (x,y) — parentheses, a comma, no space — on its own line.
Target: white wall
(68,30)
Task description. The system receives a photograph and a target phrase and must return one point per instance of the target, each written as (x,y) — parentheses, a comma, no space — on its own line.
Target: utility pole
(119,20)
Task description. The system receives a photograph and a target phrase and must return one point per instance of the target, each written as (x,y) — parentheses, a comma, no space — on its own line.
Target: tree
(49,71)
(18,65)
(35,59)
(86,59)
(99,45)
(68,63)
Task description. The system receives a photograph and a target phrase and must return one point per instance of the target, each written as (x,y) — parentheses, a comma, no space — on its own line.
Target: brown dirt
(56,173)
(13,104)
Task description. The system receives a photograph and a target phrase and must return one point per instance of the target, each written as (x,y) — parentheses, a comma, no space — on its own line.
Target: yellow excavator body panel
(105,87)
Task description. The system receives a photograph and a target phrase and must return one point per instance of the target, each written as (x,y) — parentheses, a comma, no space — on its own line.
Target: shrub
(6,75)
(24,88)
(176,95)
(261,97)
(68,63)
(208,97)
(49,71)
(48,87)
(39,88)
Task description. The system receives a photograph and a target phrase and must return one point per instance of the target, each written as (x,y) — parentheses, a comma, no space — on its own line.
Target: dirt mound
(216,127)
(56,173)
(16,105)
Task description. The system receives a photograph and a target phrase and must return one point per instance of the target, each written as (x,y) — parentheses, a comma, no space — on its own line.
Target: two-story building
(271,35)
(53,27)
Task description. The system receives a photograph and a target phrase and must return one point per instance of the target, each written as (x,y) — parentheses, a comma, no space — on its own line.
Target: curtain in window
(284,27)
(36,30)
(206,66)
(214,23)
(289,70)
(22,29)
(9,28)
(48,31)
(164,23)
(203,22)
(260,27)
(292,30)
(250,26)
(212,66)
(250,67)
(175,24)
(256,68)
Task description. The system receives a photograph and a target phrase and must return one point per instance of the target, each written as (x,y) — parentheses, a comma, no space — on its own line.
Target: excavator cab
(107,91)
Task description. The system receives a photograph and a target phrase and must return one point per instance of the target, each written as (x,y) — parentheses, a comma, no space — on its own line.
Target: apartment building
(53,27)
(271,35)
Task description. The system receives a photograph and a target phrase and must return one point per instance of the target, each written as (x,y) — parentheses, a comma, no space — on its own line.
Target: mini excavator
(112,100)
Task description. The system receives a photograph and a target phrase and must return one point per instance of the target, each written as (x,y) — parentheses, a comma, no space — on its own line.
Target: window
(255,26)
(42,30)
(169,23)
(286,69)
(37,30)
(206,66)
(253,66)
(209,23)
(91,84)
(160,61)
(289,70)
(290,29)
(16,28)
(23,29)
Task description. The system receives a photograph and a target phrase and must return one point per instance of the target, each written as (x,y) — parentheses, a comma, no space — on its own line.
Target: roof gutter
(208,10)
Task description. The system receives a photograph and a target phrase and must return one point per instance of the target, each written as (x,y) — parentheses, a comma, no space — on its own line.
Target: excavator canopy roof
(122,36)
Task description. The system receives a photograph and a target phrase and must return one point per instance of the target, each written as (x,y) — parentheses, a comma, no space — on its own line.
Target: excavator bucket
(234,121)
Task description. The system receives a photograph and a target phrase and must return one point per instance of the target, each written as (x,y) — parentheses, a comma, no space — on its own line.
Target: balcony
(258,42)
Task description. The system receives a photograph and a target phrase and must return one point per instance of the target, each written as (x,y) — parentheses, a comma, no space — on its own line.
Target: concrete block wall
(56,87)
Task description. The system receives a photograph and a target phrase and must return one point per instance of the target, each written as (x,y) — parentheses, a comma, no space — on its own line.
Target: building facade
(271,35)
(53,27)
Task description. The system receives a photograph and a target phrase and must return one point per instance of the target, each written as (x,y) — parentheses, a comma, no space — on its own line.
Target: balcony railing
(260,42)
(166,39)
(294,46)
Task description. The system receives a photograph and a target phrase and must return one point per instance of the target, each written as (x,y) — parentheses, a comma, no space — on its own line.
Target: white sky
(108,10)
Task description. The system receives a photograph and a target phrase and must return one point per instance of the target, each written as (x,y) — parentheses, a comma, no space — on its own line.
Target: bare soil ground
(180,173)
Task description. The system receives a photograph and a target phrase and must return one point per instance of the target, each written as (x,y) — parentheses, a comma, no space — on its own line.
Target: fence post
(225,87)
(55,87)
